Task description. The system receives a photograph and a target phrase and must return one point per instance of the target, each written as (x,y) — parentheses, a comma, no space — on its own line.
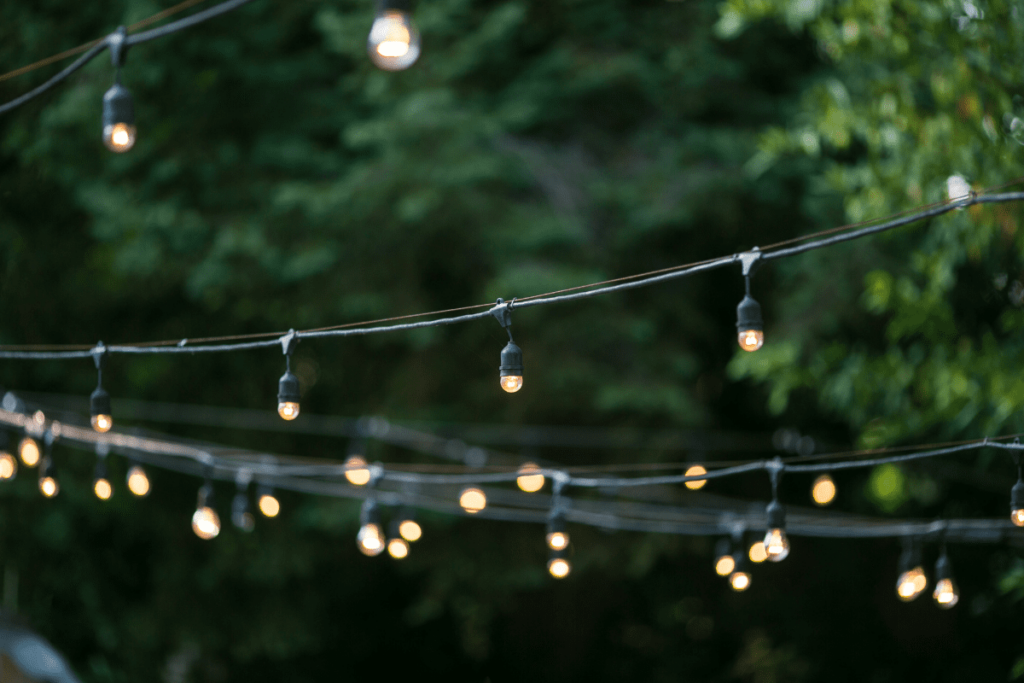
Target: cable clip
(97,353)
(288,342)
(749,259)
(502,311)
(118,43)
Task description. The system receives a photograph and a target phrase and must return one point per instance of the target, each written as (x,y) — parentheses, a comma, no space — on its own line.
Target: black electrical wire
(75,66)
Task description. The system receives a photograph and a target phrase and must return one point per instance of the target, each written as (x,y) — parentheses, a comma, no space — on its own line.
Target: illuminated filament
(530,479)
(694,471)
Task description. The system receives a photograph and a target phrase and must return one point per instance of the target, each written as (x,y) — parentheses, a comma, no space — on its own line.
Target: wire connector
(118,44)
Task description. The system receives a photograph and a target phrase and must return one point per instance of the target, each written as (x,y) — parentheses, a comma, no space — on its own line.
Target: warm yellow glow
(558,540)
(28,450)
(269,505)
(393,45)
(473,500)
(49,487)
(410,530)
(102,423)
(530,479)
(824,490)
(694,471)
(740,581)
(1017,517)
(911,584)
(946,593)
(102,489)
(138,482)
(776,545)
(288,410)
(206,523)
(559,567)
(512,383)
(758,553)
(119,137)
(751,340)
(8,466)
(394,48)
(398,548)
(357,473)
(370,540)
(725,565)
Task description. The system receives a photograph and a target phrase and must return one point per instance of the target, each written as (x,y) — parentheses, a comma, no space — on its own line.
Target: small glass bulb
(694,471)
(8,466)
(751,340)
(289,410)
(28,450)
(473,500)
(758,553)
(740,581)
(559,567)
(138,481)
(398,548)
(911,584)
(394,43)
(269,505)
(206,523)
(102,423)
(102,489)
(410,530)
(1017,517)
(119,137)
(776,545)
(530,479)
(357,473)
(946,593)
(49,487)
(559,540)
(370,540)
(823,491)
(725,565)
(512,383)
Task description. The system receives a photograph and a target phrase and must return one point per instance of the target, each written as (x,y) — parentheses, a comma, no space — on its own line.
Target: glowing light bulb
(138,481)
(530,479)
(119,137)
(558,540)
(102,423)
(49,487)
(911,584)
(8,466)
(1017,517)
(740,581)
(512,383)
(206,523)
(473,500)
(394,42)
(357,473)
(776,545)
(398,548)
(289,410)
(410,530)
(725,565)
(370,540)
(823,491)
(751,340)
(946,593)
(102,489)
(269,505)
(28,451)
(559,567)
(694,471)
(758,553)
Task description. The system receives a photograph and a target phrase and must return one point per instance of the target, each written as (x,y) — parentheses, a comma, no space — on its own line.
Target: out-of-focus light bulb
(357,473)
(119,137)
(725,565)
(473,500)
(48,486)
(694,471)
(102,489)
(1017,517)
(911,584)
(823,491)
(138,481)
(740,581)
(394,42)
(776,545)
(946,593)
(370,540)
(269,505)
(559,567)
(510,369)
(28,451)
(1017,501)
(102,423)
(398,548)
(289,410)
(749,323)
(8,466)
(512,383)
(410,530)
(757,552)
(558,540)
(206,523)
(751,340)
(530,479)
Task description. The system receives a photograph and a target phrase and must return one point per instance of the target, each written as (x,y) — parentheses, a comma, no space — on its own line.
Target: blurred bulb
(751,340)
(740,581)
(269,505)
(410,530)
(102,423)
(39,417)
(512,383)
(138,481)
(119,137)
(28,450)
(49,487)
(776,545)
(370,540)
(1017,517)
(946,593)
(824,490)
(725,565)
(8,466)
(558,540)
(102,489)
(206,523)
(289,410)
(911,584)
(394,42)
(559,567)
(530,479)
(758,553)
(693,472)
(357,473)
(473,500)
(398,548)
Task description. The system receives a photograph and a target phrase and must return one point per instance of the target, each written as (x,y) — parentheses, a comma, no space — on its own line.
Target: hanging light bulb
(740,577)
(946,593)
(776,544)
(205,520)
(240,515)
(749,325)
(725,563)
(118,109)
(757,553)
(398,547)
(356,471)
(48,484)
(558,564)
(408,528)
(472,500)
(912,580)
(394,42)
(99,402)
(557,537)
(268,503)
(138,481)
(370,538)
(510,371)
(1017,501)
(823,491)
(695,471)
(288,394)
(8,463)
(28,451)
(530,478)
(100,483)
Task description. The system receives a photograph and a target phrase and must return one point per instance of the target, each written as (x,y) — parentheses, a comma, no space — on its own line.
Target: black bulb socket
(748,315)
(1017,496)
(100,471)
(943,569)
(511,361)
(556,525)
(393,6)
(722,548)
(99,402)
(118,106)
(370,514)
(776,515)
(205,498)
(47,468)
(288,388)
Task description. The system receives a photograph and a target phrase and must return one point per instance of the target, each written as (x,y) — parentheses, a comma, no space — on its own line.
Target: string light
(912,580)
(101,485)
(946,593)
(394,42)
(48,484)
(8,466)
(138,481)
(118,108)
(757,553)
(557,537)
(823,491)
(749,325)
(240,515)
(559,565)
(530,478)
(99,402)
(510,371)
(288,394)
(370,539)
(725,563)
(398,548)
(408,528)
(696,471)
(268,503)
(472,500)
(28,451)
(1017,497)
(740,577)
(356,471)
(205,520)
